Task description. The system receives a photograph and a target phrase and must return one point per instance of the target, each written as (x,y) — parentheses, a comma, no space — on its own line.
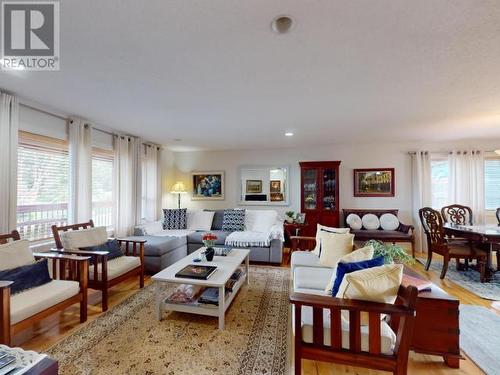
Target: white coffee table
(226,265)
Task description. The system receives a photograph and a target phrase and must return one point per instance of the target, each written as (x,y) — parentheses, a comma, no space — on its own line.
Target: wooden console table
(436,329)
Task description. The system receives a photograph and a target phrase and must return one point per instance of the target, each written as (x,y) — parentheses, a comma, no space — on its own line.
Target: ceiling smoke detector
(282,24)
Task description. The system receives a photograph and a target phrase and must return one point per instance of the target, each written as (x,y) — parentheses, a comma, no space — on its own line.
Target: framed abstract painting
(208,185)
(374,182)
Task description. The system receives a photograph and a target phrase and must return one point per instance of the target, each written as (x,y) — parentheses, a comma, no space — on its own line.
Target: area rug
(128,339)
(469,280)
(479,337)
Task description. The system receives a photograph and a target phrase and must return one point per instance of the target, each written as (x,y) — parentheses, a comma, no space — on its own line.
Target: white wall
(393,155)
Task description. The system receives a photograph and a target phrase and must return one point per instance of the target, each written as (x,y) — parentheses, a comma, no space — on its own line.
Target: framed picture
(277,197)
(275,186)
(376,182)
(254,186)
(208,185)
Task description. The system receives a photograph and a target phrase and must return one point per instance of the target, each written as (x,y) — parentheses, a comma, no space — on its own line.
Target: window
(440,171)
(42,185)
(102,187)
(492,183)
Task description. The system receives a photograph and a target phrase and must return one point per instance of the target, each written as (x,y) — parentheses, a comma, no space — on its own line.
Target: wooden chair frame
(101,258)
(457,214)
(373,359)
(64,267)
(437,242)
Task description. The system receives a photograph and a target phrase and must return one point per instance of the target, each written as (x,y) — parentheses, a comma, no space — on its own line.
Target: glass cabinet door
(310,189)
(329,185)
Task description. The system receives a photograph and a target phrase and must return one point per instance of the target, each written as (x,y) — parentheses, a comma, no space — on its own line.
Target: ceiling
(213,74)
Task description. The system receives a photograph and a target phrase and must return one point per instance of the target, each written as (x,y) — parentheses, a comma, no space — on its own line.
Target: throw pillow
(319,228)
(377,284)
(233,221)
(334,246)
(345,268)
(74,239)
(15,254)
(27,276)
(111,246)
(354,221)
(389,222)
(174,218)
(370,222)
(201,220)
(264,220)
(364,253)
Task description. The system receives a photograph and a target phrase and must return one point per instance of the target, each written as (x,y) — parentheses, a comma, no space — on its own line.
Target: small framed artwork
(374,182)
(275,186)
(277,197)
(254,186)
(208,185)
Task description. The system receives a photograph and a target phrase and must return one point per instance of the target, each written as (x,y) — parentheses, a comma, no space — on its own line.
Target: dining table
(484,234)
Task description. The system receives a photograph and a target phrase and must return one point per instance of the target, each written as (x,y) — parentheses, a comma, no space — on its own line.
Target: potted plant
(289,216)
(392,253)
(209,242)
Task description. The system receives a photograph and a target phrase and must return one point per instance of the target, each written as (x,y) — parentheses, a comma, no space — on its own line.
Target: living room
(254,188)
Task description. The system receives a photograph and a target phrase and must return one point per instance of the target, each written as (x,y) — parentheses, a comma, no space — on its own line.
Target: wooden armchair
(363,349)
(104,273)
(69,277)
(457,214)
(437,242)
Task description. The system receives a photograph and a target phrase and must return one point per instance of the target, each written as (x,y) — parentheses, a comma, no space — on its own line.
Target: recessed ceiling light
(289,134)
(282,24)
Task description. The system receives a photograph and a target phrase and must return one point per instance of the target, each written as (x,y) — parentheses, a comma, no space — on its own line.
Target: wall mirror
(264,185)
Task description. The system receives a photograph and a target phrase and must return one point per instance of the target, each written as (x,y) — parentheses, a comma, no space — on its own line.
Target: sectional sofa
(164,247)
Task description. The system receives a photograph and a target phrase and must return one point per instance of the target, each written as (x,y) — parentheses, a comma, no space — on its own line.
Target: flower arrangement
(290,216)
(209,240)
(390,252)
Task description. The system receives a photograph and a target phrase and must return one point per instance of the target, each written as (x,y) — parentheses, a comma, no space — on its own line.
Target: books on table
(194,271)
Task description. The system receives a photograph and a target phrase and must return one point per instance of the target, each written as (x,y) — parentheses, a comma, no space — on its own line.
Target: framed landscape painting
(254,186)
(375,182)
(208,185)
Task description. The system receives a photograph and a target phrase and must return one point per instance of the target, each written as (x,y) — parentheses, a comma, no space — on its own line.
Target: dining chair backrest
(432,222)
(498,215)
(457,214)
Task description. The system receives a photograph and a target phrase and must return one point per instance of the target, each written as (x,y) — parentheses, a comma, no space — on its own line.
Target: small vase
(209,253)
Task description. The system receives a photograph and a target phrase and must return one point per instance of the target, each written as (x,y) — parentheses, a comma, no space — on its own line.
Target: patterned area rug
(469,280)
(128,339)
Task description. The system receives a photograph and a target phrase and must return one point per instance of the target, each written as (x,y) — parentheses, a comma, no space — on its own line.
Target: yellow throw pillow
(333,247)
(319,228)
(359,255)
(377,284)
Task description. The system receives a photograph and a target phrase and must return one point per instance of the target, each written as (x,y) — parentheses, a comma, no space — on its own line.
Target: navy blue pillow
(345,268)
(111,245)
(27,277)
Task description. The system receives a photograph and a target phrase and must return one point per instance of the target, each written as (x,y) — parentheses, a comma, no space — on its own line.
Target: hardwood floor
(58,326)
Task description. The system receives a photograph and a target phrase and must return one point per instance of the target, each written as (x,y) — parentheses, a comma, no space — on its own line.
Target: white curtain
(80,155)
(466,185)
(9,125)
(422,196)
(149,190)
(125,185)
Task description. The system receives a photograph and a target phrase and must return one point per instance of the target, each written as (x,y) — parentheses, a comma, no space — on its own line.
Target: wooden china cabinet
(319,194)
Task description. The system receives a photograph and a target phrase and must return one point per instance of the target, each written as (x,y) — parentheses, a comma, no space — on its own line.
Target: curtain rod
(444,152)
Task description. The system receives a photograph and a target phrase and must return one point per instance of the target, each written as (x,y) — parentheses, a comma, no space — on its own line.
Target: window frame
(489,156)
(108,155)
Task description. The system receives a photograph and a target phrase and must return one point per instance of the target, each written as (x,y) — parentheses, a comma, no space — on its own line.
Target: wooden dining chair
(432,223)
(457,214)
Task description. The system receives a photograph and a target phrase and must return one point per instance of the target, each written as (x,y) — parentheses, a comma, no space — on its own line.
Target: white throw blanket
(255,239)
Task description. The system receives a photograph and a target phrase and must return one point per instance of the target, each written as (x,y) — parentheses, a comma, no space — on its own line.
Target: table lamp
(179,189)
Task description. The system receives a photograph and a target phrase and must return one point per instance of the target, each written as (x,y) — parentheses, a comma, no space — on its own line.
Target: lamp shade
(497,152)
(178,188)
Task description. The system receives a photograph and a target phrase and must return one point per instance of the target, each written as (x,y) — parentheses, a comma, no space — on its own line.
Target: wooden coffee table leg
(222,310)
(247,265)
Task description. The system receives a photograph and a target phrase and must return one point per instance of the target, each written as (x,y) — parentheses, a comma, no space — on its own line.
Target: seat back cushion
(15,254)
(200,220)
(175,218)
(334,246)
(75,239)
(260,220)
(358,255)
(27,276)
(234,221)
(111,246)
(319,228)
(389,222)
(377,284)
(218,220)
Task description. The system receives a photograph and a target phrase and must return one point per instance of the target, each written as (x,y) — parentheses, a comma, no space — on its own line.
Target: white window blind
(42,185)
(492,183)
(440,170)
(102,187)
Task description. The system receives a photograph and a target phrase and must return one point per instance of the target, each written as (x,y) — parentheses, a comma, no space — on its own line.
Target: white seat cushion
(15,254)
(175,233)
(388,338)
(75,239)
(32,301)
(117,267)
(304,259)
(312,277)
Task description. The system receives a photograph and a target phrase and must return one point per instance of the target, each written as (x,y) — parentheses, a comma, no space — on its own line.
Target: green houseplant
(290,216)
(390,252)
